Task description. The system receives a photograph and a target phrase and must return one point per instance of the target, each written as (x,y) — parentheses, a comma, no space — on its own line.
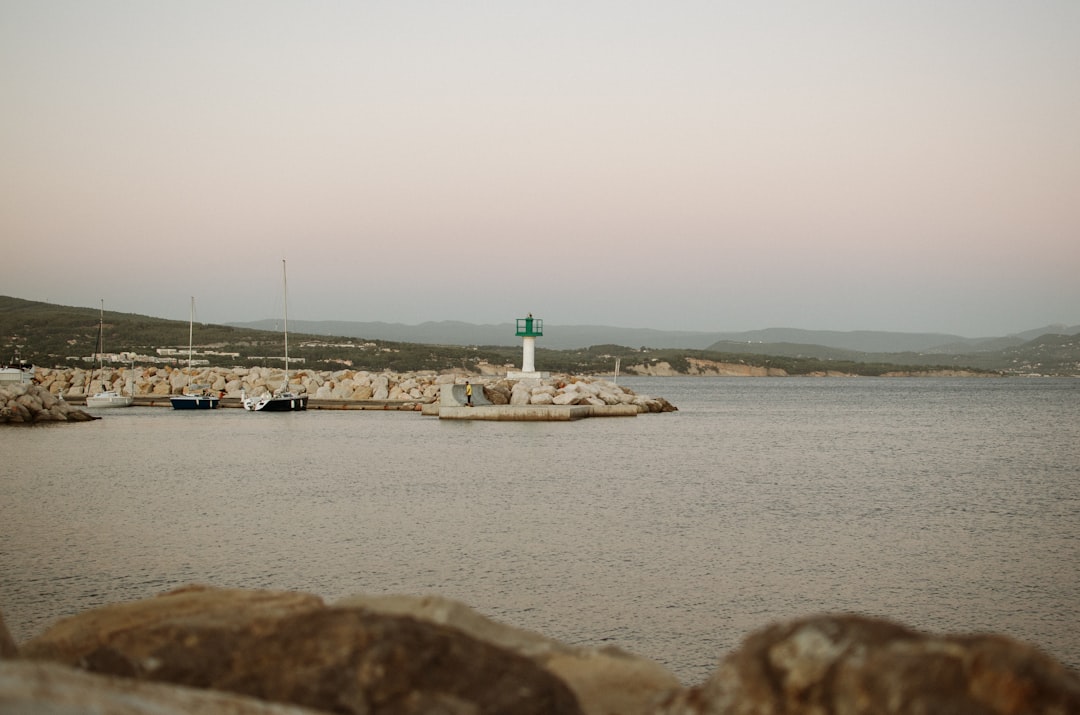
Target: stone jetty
(200,649)
(22,403)
(356,386)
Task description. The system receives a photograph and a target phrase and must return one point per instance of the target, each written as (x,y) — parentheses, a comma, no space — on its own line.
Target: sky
(711,166)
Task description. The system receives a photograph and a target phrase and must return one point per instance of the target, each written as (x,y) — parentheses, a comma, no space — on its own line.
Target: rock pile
(200,649)
(571,391)
(28,404)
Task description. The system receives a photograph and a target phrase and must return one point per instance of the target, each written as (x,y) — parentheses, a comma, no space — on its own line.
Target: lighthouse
(529,329)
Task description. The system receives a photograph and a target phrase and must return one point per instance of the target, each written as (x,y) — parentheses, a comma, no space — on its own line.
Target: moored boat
(195,402)
(107,397)
(203,399)
(283,400)
(16,371)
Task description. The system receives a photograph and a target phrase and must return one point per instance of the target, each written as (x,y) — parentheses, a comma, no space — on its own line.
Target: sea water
(949,505)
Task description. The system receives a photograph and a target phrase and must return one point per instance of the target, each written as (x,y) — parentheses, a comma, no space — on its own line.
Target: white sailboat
(283,400)
(106,398)
(17,371)
(203,399)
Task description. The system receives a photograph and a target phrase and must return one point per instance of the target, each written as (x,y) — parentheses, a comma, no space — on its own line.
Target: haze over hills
(49,334)
(569,337)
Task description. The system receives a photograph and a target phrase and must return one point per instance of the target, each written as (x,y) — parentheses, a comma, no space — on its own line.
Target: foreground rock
(30,404)
(848,664)
(291,648)
(605,680)
(242,652)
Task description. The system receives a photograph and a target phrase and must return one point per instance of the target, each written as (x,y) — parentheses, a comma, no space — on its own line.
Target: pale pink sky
(910,166)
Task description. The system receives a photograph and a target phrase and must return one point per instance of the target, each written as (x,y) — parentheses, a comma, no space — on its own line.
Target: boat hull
(194,402)
(283,404)
(104,400)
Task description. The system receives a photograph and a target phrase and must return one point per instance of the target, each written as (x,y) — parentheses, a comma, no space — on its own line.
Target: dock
(451,405)
(313,404)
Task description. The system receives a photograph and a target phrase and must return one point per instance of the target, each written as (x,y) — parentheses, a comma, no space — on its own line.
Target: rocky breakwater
(209,650)
(22,403)
(348,385)
(571,391)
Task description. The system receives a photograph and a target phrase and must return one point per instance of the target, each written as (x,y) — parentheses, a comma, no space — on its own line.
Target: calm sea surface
(951,505)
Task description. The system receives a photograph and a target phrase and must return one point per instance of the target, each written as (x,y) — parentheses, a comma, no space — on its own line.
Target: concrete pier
(515,413)
(447,408)
(313,404)
(533,413)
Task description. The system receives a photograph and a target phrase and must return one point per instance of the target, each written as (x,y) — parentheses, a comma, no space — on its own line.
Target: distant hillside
(1049,350)
(1054,329)
(870,341)
(1045,355)
(572,337)
(448,332)
(49,335)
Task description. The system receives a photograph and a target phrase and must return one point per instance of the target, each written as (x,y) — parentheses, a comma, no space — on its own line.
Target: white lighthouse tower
(529,328)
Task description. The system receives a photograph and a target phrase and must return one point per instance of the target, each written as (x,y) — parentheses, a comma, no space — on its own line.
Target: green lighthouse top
(530,327)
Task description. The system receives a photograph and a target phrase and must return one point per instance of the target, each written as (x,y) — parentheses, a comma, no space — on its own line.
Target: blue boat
(195,402)
(202,400)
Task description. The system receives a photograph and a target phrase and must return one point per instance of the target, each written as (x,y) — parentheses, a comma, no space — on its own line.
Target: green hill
(62,336)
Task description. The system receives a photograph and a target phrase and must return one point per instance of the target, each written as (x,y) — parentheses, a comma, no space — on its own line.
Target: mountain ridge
(569,337)
(50,334)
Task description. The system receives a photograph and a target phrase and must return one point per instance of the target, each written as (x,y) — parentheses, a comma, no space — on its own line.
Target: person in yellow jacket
(468,394)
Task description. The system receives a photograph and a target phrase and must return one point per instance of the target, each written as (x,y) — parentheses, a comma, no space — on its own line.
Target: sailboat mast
(285,286)
(101,339)
(190,337)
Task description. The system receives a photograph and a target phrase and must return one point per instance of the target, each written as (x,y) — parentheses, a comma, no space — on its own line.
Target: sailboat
(106,398)
(202,400)
(16,371)
(284,400)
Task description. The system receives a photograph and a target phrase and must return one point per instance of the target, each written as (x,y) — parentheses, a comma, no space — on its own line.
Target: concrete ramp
(454,395)
(515,413)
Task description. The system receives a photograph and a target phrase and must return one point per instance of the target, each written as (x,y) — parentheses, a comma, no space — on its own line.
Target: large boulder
(291,648)
(541,398)
(362,391)
(497,394)
(605,680)
(852,665)
(380,387)
(178,380)
(520,394)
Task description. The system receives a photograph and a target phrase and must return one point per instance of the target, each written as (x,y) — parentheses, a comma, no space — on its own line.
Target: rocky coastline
(697,367)
(200,649)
